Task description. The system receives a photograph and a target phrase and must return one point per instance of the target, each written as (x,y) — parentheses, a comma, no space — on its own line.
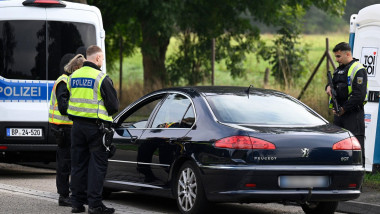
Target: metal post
(120,68)
(213,62)
(327,52)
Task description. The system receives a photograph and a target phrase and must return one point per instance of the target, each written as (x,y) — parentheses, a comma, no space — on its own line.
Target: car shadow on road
(166,205)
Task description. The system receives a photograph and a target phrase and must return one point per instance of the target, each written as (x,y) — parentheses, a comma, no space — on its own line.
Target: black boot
(64,201)
(101,210)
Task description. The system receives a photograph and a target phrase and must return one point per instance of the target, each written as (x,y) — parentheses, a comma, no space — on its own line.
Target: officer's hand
(341,112)
(328,91)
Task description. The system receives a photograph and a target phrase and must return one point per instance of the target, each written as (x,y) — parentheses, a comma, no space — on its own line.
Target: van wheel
(189,190)
(320,207)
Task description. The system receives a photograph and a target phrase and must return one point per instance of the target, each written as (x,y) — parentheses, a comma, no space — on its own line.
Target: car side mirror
(123,132)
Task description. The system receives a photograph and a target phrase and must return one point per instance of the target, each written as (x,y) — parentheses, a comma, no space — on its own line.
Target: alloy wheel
(187,189)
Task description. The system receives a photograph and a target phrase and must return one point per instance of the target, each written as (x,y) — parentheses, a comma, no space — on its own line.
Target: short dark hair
(92,50)
(343,46)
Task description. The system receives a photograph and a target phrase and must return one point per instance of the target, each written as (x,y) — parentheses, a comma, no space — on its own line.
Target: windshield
(262,109)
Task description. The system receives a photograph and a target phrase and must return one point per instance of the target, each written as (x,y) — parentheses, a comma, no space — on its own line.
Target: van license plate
(24,132)
(303,181)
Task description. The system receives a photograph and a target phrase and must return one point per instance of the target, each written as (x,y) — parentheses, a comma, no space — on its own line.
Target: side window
(23,49)
(139,118)
(81,36)
(189,118)
(172,112)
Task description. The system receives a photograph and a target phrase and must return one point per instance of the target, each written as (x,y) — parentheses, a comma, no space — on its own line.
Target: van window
(23,47)
(21,54)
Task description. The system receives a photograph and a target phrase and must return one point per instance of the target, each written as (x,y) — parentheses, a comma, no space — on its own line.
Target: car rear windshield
(262,109)
(26,54)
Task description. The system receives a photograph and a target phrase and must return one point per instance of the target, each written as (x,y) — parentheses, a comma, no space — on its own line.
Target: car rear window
(26,54)
(262,109)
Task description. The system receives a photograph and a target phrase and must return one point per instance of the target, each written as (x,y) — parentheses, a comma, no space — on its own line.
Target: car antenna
(250,86)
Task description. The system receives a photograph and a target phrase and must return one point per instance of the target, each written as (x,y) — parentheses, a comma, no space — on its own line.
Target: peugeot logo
(305,152)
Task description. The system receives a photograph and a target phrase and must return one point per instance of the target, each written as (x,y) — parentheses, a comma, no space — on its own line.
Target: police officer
(61,125)
(93,100)
(350,83)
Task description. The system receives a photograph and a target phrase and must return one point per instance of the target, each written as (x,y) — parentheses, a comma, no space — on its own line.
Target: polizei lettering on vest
(82,83)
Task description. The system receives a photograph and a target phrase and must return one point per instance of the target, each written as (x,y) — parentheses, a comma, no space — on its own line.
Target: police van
(34,36)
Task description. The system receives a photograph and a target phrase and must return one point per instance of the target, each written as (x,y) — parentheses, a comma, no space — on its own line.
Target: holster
(107,139)
(59,136)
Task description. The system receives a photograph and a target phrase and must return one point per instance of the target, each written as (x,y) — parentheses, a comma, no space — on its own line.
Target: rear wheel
(320,207)
(189,190)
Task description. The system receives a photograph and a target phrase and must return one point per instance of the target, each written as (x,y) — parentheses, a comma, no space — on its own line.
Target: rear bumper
(285,195)
(30,149)
(229,183)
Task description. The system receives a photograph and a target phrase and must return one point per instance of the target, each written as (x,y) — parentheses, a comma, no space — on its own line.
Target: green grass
(372,180)
(314,96)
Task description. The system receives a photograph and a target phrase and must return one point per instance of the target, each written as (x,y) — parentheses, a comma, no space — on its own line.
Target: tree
(232,24)
(151,24)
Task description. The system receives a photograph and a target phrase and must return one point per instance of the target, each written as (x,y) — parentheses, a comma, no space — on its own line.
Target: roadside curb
(356,207)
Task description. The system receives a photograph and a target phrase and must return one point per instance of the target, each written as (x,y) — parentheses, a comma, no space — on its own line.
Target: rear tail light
(350,143)
(3,147)
(243,142)
(44,3)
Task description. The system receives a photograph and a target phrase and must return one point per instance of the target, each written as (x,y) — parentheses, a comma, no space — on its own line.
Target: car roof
(212,90)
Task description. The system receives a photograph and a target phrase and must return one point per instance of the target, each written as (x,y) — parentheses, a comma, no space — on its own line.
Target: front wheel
(320,207)
(190,194)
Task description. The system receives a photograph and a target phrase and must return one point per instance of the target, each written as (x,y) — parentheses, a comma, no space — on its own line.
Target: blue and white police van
(34,36)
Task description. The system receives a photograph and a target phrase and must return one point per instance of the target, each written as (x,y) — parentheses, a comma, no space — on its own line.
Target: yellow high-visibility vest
(85,98)
(354,68)
(55,116)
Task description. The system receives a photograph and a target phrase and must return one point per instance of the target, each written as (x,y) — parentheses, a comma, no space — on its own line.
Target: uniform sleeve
(63,96)
(109,95)
(359,91)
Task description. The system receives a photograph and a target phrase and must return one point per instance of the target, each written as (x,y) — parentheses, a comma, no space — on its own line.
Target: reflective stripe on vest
(354,68)
(85,97)
(55,116)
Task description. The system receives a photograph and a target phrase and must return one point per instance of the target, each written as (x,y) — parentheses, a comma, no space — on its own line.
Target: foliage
(149,25)
(230,24)
(372,180)
(287,59)
(122,31)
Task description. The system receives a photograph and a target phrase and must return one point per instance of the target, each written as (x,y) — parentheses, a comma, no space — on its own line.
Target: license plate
(24,132)
(303,181)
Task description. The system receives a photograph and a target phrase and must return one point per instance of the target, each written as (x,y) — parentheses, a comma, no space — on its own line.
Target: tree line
(233,26)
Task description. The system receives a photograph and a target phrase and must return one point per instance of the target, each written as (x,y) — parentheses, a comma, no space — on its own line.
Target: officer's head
(64,60)
(75,63)
(342,52)
(95,55)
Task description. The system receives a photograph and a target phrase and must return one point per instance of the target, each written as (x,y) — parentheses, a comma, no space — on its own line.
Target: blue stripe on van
(25,90)
(376,153)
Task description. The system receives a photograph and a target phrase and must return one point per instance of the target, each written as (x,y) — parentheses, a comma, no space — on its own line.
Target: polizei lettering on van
(82,83)
(21,90)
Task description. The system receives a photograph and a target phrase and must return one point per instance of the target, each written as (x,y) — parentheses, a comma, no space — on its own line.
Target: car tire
(189,190)
(320,207)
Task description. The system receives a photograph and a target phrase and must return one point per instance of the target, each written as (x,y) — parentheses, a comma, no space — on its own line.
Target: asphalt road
(32,190)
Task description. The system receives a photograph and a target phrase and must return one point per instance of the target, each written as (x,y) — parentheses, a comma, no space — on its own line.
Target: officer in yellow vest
(61,125)
(350,83)
(93,101)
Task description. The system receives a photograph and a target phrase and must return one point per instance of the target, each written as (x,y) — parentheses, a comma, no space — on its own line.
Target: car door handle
(172,140)
(133,139)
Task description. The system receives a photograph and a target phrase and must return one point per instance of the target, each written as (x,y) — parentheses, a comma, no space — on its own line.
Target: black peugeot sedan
(201,145)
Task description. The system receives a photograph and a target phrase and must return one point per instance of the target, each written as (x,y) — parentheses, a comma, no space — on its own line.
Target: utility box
(365,42)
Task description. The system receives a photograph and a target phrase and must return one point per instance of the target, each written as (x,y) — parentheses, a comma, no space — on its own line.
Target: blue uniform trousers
(89,162)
